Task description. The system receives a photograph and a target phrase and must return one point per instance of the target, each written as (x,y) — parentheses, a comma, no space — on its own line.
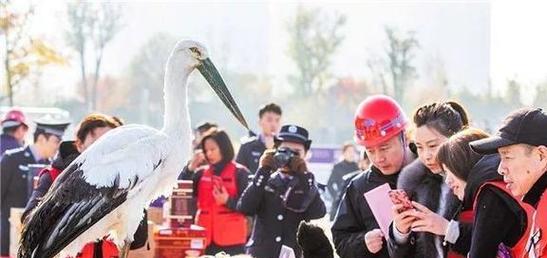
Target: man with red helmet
(379,126)
(14,130)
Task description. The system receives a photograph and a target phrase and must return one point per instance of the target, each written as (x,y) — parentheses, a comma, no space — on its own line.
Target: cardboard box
(155,215)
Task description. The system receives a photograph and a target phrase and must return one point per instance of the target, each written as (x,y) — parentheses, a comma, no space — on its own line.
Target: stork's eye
(195,50)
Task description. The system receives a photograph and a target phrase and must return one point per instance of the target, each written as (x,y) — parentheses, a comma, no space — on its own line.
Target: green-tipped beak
(211,74)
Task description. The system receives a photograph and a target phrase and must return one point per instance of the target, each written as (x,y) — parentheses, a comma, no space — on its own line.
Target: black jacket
(250,152)
(14,187)
(8,142)
(278,207)
(335,185)
(346,179)
(428,189)
(14,179)
(534,194)
(354,218)
(498,216)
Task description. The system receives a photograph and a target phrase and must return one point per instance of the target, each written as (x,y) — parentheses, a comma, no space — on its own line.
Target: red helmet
(377,119)
(14,118)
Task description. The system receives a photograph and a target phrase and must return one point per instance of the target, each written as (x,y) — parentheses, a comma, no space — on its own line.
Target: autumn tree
(91,27)
(314,37)
(24,55)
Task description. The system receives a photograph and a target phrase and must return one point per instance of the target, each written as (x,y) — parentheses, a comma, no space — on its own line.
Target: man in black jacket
(339,170)
(269,120)
(380,125)
(282,194)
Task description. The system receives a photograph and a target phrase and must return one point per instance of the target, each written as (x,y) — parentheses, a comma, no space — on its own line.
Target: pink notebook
(380,204)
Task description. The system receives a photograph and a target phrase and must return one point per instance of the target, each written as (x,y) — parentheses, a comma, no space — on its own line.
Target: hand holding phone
(399,196)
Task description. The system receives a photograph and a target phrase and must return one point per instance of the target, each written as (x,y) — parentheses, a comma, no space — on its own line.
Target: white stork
(104,191)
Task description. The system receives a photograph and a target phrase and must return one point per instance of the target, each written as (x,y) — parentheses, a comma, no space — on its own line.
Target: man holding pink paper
(379,126)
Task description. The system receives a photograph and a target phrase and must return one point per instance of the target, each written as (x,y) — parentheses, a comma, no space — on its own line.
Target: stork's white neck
(176,120)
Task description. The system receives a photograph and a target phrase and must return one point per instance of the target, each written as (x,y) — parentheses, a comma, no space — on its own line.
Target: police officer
(282,194)
(250,151)
(14,130)
(15,165)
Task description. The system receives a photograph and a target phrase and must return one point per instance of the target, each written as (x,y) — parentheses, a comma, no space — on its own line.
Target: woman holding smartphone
(423,182)
(218,187)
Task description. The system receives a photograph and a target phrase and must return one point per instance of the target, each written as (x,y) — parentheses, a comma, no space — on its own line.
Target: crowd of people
(472,194)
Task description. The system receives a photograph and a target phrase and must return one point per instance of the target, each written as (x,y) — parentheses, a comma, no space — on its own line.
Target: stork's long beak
(211,74)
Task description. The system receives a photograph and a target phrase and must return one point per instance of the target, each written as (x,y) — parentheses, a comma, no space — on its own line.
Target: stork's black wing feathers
(67,212)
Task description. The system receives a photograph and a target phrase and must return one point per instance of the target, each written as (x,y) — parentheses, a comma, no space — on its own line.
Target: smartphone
(399,196)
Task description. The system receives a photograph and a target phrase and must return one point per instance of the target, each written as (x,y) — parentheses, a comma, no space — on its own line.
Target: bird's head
(195,55)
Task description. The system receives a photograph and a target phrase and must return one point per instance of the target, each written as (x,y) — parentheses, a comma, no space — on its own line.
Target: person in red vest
(90,129)
(218,186)
(500,222)
(522,145)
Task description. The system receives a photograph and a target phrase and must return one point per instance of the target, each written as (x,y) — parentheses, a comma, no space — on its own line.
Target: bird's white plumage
(129,152)
(141,161)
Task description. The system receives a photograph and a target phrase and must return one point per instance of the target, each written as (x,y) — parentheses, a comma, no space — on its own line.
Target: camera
(283,156)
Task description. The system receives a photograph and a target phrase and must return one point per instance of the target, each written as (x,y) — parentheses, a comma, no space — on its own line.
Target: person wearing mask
(380,127)
(14,131)
(342,168)
(422,180)
(501,223)
(522,145)
(14,169)
(90,129)
(218,187)
(282,194)
(269,121)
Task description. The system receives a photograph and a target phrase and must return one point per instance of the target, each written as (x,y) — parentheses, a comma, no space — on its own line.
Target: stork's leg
(124,251)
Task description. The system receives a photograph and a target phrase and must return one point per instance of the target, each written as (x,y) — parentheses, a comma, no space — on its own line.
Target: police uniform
(279,202)
(250,152)
(12,119)
(14,169)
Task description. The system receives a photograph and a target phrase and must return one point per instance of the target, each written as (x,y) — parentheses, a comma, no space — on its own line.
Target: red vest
(53,172)
(519,249)
(223,226)
(108,248)
(468,217)
(463,217)
(537,245)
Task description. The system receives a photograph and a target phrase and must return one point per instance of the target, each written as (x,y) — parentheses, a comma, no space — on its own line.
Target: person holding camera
(283,193)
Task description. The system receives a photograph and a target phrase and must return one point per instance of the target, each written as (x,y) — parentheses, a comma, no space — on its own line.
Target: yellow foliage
(46,54)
